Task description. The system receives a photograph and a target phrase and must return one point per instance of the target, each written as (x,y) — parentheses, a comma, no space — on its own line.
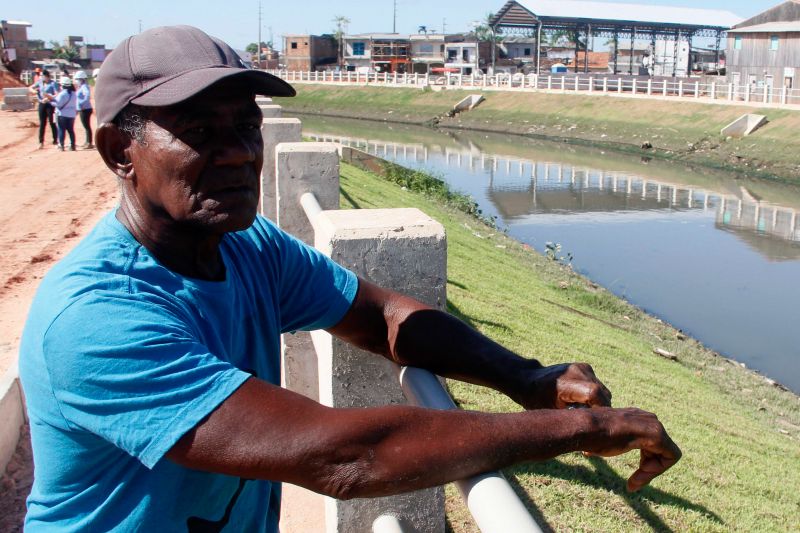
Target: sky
(236,21)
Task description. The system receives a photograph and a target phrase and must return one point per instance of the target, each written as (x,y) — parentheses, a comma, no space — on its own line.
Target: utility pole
(444,26)
(140,25)
(394,19)
(258,44)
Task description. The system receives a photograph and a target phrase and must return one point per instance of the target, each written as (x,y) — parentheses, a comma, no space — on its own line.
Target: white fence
(709,91)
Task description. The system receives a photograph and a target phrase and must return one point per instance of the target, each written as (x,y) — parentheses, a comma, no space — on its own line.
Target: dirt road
(48,201)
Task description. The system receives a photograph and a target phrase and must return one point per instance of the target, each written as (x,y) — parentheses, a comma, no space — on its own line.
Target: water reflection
(519,188)
(714,256)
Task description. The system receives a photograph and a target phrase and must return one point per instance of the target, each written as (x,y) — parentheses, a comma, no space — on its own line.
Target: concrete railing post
(271,110)
(12,415)
(405,250)
(649,87)
(274,131)
(605,85)
(302,168)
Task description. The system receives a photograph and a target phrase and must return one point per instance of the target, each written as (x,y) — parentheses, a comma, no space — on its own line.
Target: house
(764,51)
(378,52)
(15,38)
(522,49)
(465,55)
(427,52)
(306,53)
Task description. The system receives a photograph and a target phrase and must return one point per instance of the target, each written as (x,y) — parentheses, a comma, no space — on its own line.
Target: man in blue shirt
(43,87)
(150,360)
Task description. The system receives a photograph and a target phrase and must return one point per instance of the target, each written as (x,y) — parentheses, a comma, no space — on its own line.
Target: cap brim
(185,86)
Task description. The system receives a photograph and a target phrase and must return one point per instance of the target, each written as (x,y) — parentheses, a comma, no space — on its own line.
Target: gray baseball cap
(167,65)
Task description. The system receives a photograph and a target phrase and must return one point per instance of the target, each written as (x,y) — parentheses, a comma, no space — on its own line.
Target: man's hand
(560,386)
(623,430)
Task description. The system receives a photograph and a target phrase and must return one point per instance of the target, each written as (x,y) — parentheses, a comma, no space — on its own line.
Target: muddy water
(715,256)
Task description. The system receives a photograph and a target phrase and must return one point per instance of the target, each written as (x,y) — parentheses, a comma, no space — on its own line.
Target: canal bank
(715,256)
(738,432)
(685,131)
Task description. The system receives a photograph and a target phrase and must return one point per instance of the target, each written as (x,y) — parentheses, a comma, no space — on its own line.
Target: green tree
(483,31)
(254,52)
(341,23)
(70,53)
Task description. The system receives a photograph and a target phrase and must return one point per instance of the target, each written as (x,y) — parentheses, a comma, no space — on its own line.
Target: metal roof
(770,27)
(379,36)
(579,9)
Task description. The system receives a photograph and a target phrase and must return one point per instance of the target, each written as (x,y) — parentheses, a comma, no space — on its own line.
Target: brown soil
(8,79)
(49,200)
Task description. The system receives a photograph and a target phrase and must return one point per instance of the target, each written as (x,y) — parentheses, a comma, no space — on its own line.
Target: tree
(485,32)
(253,50)
(341,23)
(70,53)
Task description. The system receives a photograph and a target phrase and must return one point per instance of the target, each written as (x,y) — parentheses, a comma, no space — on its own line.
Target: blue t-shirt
(120,357)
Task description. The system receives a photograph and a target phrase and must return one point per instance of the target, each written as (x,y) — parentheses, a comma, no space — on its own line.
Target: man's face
(198,166)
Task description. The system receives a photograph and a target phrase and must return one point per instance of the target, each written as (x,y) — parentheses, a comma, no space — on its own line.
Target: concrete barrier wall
(12,415)
(301,168)
(274,131)
(405,250)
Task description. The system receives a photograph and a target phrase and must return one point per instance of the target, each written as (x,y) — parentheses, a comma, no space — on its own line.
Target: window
(465,56)
(527,52)
(774,41)
(294,46)
(737,42)
(426,49)
(358,49)
(452,54)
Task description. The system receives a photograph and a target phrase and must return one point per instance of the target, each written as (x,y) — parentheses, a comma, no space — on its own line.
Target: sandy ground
(48,201)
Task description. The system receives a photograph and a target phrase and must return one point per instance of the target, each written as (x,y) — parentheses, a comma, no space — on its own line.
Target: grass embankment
(682,130)
(739,435)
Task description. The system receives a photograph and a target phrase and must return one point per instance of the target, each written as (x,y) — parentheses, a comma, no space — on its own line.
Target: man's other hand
(623,430)
(562,386)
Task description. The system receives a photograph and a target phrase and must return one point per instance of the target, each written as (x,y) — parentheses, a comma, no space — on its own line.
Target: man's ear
(114,147)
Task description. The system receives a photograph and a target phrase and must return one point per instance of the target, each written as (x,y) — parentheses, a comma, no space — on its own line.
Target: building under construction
(668,31)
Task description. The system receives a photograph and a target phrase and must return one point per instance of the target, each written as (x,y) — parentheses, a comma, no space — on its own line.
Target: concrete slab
(469,103)
(744,125)
(271,111)
(12,415)
(275,131)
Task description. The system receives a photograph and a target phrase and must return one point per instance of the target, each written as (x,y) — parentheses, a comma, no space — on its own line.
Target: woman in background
(84,106)
(43,88)
(66,104)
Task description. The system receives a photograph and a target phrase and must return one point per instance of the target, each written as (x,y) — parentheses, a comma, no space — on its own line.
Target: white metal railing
(492,501)
(494,505)
(709,91)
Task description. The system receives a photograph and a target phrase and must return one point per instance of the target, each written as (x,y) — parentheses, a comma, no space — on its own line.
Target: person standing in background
(66,105)
(84,106)
(43,87)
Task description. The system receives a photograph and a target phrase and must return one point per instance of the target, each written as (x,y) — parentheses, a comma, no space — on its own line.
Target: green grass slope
(739,434)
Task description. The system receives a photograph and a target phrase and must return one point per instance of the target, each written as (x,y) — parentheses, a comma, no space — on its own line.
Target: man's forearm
(413,334)
(447,346)
(348,453)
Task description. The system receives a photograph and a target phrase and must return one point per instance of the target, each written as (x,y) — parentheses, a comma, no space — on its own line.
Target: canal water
(717,257)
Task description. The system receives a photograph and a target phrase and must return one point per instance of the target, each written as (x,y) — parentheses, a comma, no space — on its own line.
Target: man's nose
(235,148)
